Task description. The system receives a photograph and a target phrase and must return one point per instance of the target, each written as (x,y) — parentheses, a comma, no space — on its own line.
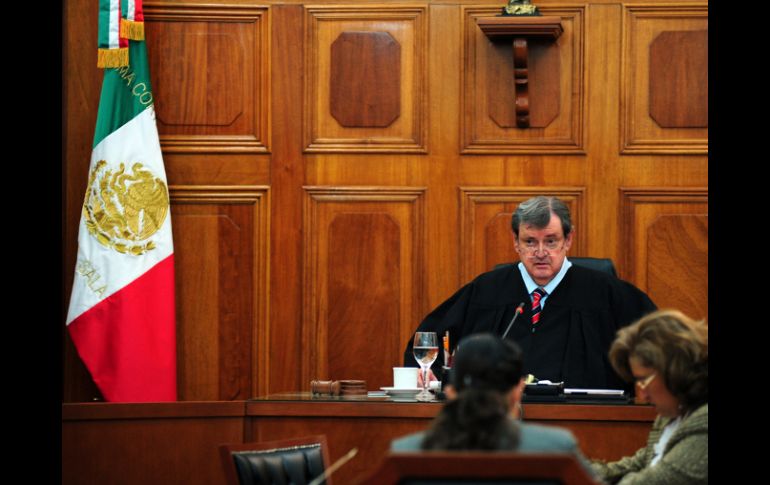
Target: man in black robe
(577,318)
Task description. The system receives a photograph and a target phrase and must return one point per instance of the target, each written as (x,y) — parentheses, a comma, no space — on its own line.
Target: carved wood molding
(405,208)
(471,200)
(563,126)
(667,200)
(520,30)
(257,196)
(639,132)
(255,139)
(407,133)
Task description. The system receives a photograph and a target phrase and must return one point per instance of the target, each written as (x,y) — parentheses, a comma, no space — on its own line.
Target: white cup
(405,377)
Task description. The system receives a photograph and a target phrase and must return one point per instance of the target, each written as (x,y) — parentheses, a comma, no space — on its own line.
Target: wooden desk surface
(177,442)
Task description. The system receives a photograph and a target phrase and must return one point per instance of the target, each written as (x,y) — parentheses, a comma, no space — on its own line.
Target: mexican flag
(121,315)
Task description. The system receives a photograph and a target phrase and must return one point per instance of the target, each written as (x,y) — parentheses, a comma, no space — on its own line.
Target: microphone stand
(519,311)
(323,476)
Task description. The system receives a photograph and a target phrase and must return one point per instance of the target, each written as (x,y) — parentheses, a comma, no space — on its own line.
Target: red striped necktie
(537,295)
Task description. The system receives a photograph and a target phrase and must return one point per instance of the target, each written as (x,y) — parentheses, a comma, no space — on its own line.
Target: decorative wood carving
(364,285)
(365,79)
(210,66)
(485,224)
(488,98)
(665,244)
(679,79)
(221,240)
(520,30)
(543,88)
(664,80)
(380,36)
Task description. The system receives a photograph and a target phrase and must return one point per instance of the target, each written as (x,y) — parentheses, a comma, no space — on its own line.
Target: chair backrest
(598,264)
(296,461)
(498,468)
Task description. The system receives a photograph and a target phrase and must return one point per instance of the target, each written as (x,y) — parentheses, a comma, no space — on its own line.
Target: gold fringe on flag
(112,57)
(131,29)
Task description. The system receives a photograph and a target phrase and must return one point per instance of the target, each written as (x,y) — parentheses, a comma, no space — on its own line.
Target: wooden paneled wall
(338,169)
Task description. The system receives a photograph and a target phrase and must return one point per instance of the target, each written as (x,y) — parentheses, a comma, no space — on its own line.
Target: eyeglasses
(533,246)
(643,383)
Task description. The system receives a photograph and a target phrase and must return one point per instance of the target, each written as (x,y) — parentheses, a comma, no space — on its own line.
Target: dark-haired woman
(481,414)
(666,354)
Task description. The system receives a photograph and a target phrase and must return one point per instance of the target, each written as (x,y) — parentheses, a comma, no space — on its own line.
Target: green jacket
(685,459)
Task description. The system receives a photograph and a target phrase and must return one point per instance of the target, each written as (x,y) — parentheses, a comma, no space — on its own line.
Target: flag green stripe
(126,92)
(104,24)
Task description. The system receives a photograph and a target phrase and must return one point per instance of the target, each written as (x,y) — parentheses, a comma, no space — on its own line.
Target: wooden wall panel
(556,71)
(221,246)
(485,227)
(643,26)
(364,282)
(665,236)
(679,82)
(210,66)
(148,443)
(326,28)
(365,80)
(673,280)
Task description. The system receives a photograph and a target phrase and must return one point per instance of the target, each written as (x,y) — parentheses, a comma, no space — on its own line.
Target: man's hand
(431,377)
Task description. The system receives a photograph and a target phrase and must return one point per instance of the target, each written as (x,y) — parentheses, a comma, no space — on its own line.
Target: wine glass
(425,348)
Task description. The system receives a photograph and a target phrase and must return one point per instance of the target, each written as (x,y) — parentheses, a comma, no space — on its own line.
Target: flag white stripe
(114,28)
(100,267)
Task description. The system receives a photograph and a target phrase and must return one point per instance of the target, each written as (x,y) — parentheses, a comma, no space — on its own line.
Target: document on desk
(593,392)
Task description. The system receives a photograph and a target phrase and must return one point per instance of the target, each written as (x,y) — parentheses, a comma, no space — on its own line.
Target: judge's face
(651,388)
(543,250)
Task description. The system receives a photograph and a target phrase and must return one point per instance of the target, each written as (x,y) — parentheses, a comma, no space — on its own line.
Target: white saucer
(408,391)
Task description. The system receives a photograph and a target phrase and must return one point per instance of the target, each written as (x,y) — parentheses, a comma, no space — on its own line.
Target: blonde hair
(673,344)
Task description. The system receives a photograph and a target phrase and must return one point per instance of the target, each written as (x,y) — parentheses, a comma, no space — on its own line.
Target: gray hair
(537,212)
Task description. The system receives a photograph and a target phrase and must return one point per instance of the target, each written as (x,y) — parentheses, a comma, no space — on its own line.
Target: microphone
(519,311)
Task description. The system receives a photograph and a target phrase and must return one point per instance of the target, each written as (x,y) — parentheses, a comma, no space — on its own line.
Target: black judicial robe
(576,328)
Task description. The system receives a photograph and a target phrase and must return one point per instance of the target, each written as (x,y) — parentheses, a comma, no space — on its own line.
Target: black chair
(498,468)
(598,264)
(294,461)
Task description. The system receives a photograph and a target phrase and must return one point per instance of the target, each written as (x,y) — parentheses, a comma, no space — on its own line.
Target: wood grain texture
(543,78)
(210,67)
(365,79)
(665,231)
(640,132)
(80,103)
(156,443)
(133,448)
(559,123)
(345,427)
(404,134)
(521,32)
(679,80)
(675,281)
(365,267)
(486,234)
(364,286)
(221,246)
(287,176)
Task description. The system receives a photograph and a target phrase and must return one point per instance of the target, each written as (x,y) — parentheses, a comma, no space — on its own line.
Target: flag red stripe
(128,340)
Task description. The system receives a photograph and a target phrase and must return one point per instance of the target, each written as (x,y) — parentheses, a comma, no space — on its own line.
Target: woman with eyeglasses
(666,355)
